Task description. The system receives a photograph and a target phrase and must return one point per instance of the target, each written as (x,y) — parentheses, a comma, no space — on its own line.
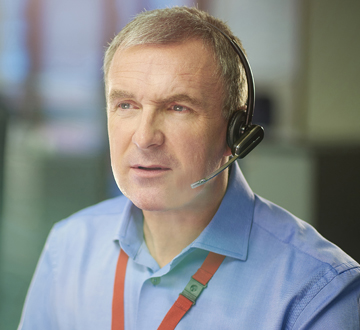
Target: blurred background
(53,145)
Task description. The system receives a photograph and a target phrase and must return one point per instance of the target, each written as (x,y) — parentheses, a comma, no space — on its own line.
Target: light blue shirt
(279,273)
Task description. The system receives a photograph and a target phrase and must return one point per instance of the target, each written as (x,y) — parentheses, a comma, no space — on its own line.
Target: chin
(149,204)
(156,200)
(147,199)
(161,197)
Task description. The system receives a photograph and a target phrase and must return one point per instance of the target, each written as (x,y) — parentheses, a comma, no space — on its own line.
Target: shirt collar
(229,230)
(130,232)
(227,233)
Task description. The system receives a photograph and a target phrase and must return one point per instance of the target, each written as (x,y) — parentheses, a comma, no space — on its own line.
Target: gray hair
(179,24)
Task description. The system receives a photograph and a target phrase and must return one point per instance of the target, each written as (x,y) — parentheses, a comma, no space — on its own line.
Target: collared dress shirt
(279,273)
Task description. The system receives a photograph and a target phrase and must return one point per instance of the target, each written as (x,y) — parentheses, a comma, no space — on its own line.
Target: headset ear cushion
(235,127)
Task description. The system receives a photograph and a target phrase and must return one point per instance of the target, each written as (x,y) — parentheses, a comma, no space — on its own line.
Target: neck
(167,233)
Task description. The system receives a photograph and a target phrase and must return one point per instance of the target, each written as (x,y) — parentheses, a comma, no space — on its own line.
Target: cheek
(118,139)
(186,140)
(205,148)
(215,140)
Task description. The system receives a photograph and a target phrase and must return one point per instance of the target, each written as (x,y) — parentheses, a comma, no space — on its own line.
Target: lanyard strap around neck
(184,302)
(117,322)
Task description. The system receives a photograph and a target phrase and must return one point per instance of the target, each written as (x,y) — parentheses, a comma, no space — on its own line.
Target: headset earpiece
(236,127)
(242,138)
(248,140)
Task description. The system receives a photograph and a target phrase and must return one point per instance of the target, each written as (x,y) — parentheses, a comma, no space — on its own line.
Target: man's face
(165,125)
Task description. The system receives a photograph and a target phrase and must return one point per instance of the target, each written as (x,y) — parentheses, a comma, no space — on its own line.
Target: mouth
(150,168)
(147,172)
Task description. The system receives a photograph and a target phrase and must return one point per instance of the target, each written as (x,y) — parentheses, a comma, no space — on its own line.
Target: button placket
(155,280)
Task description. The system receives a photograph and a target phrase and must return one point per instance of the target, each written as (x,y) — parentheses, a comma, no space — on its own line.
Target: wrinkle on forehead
(156,55)
(120,94)
(154,64)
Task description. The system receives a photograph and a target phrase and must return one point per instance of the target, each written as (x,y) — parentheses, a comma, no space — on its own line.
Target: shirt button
(155,280)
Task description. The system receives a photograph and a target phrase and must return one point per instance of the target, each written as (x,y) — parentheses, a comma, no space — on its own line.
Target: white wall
(269,31)
(331,80)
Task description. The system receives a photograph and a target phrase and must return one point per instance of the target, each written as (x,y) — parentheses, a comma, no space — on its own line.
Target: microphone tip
(198,183)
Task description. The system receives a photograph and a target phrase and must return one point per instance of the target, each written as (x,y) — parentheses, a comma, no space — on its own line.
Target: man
(172,83)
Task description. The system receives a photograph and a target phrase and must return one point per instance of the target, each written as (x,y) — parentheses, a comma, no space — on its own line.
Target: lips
(150,167)
(148,172)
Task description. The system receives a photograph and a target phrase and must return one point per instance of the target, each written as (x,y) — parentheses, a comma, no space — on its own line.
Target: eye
(124,106)
(179,108)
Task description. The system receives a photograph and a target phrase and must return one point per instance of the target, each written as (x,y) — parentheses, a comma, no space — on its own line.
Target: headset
(242,136)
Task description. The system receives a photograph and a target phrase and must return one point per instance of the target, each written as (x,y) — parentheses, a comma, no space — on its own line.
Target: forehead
(182,55)
(172,68)
(196,44)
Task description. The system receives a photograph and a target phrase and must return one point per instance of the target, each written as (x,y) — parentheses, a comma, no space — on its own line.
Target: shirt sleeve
(39,308)
(335,306)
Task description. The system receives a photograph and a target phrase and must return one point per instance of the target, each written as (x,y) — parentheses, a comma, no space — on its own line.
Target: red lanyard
(184,302)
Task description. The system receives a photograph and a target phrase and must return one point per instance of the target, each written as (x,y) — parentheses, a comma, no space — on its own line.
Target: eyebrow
(121,94)
(181,98)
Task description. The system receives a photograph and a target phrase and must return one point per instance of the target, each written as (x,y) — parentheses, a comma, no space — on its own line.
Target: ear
(227,151)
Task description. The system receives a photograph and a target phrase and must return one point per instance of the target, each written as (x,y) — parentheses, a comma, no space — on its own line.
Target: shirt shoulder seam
(321,288)
(297,248)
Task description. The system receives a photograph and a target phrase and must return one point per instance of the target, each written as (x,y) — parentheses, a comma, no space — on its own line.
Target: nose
(148,133)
